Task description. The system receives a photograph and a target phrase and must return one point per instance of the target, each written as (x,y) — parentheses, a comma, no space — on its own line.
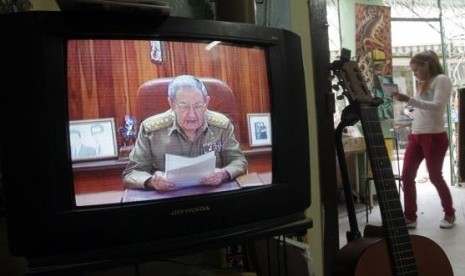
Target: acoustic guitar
(394,251)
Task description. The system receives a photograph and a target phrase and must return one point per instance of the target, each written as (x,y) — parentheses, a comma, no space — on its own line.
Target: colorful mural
(374,51)
(373,39)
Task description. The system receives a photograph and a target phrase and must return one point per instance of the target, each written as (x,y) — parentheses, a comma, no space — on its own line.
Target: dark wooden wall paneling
(104,75)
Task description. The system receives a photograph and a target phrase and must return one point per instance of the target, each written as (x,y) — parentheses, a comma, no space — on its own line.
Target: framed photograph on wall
(259,129)
(93,139)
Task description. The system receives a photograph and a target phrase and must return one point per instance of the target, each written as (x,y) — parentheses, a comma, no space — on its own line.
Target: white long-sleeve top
(429,106)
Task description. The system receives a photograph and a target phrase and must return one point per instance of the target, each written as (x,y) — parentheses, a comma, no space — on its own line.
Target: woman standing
(428,139)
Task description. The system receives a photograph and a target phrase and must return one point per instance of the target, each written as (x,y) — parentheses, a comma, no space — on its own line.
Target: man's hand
(216,178)
(159,183)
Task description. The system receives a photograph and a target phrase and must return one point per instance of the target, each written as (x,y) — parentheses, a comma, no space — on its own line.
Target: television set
(64,72)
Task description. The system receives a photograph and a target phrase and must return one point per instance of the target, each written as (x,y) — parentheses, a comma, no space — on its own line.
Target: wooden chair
(152,98)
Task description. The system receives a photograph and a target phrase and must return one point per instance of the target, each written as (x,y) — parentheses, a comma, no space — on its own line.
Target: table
(132,195)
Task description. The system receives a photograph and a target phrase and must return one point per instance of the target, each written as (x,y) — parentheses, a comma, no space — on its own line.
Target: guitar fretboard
(390,207)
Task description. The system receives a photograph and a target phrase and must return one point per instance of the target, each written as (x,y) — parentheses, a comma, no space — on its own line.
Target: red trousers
(432,148)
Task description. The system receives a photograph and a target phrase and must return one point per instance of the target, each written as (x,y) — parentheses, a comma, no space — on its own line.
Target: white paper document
(187,171)
(389,88)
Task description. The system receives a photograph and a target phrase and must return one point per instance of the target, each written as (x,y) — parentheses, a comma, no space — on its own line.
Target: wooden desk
(132,195)
(353,147)
(99,198)
(106,175)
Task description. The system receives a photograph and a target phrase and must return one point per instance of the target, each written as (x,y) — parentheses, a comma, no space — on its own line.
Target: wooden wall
(103,75)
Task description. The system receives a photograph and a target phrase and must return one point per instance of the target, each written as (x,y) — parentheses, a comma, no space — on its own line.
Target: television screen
(116,86)
(144,135)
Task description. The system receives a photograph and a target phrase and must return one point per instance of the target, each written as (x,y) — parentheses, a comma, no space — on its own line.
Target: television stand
(96,260)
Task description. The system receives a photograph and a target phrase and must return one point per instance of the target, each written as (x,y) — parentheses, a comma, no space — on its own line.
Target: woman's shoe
(447,222)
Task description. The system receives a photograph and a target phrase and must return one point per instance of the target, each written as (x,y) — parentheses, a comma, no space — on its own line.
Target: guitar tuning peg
(336,87)
(340,97)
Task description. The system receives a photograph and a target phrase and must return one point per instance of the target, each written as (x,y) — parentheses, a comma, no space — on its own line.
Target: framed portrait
(92,139)
(259,129)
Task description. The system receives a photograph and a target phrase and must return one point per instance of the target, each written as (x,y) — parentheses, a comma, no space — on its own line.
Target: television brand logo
(193,210)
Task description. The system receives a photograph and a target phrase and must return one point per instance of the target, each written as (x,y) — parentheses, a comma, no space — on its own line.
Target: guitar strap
(348,118)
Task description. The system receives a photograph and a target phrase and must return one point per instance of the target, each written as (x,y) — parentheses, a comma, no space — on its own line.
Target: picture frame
(92,139)
(259,129)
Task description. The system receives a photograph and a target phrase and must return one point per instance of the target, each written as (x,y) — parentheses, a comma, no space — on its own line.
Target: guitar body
(369,256)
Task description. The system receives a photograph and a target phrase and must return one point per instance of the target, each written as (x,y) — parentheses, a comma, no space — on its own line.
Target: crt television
(68,71)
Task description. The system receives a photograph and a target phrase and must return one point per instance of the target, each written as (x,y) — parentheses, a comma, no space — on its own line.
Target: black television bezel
(41,216)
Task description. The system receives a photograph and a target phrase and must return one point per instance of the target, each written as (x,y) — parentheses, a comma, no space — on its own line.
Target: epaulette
(159,121)
(217,119)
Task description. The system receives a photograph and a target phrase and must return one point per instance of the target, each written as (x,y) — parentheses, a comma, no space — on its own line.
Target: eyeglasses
(197,107)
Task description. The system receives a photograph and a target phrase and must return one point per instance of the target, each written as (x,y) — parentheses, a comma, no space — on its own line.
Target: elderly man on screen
(187,129)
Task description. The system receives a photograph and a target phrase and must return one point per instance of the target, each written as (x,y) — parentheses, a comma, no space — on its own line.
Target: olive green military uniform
(160,134)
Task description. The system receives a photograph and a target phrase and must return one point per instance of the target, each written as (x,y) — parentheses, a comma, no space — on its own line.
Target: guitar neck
(388,197)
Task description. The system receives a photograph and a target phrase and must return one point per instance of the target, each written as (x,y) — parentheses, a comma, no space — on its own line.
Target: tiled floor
(430,213)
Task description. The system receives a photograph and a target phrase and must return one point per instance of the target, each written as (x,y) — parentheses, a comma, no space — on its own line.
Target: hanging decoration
(374,51)
(373,39)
